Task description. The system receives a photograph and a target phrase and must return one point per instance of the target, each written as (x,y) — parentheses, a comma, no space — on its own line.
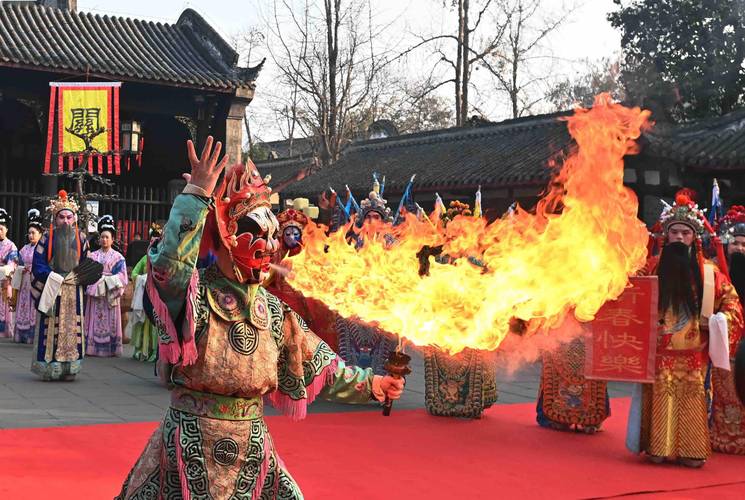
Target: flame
(567,257)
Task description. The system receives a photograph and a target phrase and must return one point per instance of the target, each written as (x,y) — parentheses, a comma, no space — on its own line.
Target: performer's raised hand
(205,169)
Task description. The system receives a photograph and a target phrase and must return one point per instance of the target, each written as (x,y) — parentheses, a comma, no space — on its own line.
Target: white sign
(92,207)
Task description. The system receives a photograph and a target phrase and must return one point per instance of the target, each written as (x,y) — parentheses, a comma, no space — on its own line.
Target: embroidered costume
(237,346)
(103,313)
(566,399)
(675,410)
(728,412)
(139,327)
(59,335)
(25,313)
(8,262)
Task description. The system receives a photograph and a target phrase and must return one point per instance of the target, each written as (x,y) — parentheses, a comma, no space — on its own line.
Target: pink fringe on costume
(172,351)
(181,467)
(190,346)
(297,409)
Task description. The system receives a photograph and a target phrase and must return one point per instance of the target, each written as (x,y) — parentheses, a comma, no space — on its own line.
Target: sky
(587,36)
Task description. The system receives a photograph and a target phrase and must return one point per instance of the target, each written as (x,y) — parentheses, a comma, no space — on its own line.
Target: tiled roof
(510,153)
(712,144)
(188,53)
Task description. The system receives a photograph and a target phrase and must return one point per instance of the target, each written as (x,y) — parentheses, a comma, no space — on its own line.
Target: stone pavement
(115,390)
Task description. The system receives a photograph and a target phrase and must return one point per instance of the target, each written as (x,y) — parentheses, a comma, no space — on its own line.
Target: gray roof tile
(187,53)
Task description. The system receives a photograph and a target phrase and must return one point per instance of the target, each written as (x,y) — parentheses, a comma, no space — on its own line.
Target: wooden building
(180,81)
(510,161)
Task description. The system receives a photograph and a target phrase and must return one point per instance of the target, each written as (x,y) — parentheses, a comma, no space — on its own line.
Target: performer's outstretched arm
(308,368)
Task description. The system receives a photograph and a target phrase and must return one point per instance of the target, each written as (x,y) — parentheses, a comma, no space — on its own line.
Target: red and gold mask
(244,222)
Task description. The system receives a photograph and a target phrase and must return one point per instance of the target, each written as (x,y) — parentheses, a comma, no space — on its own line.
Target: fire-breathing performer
(25,309)
(728,412)
(699,311)
(139,328)
(8,264)
(226,345)
(103,310)
(59,277)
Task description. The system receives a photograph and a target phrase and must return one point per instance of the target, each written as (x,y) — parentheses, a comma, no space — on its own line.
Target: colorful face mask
(246,227)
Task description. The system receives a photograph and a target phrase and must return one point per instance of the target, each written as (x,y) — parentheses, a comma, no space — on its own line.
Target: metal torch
(397,366)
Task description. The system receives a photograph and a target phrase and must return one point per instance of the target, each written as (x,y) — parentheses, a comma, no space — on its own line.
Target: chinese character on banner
(622,339)
(83,126)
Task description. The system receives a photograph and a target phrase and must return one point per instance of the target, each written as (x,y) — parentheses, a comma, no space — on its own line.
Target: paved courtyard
(115,390)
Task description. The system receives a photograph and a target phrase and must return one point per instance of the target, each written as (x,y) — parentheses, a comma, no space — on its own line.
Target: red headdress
(242,194)
(685,211)
(732,224)
(292,217)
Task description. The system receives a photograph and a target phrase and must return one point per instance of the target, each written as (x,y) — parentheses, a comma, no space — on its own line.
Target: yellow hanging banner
(85,114)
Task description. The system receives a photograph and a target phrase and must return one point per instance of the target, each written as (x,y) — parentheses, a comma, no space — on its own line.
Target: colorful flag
(85,117)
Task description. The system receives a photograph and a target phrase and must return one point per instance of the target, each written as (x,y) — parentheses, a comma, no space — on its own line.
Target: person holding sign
(698,306)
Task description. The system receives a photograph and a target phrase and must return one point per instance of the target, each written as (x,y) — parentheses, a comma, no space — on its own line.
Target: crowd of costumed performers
(692,406)
(463,385)
(214,307)
(227,345)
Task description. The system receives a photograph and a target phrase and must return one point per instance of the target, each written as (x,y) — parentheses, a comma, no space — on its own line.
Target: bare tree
(245,43)
(580,89)
(523,61)
(328,64)
(481,26)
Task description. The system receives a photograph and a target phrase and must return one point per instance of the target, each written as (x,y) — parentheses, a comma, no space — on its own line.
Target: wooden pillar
(234,123)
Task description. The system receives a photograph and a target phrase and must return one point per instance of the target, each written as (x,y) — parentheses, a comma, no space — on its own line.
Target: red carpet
(409,455)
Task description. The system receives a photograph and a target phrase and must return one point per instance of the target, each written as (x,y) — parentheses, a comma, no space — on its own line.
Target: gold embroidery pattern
(69,325)
(568,397)
(675,417)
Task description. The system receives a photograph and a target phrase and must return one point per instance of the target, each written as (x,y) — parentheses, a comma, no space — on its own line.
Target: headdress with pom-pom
(292,217)
(374,203)
(62,202)
(732,224)
(683,211)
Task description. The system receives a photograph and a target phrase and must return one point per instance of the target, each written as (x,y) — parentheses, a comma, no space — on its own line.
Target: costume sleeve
(120,270)
(172,283)
(13,256)
(173,257)
(307,367)
(140,268)
(40,267)
(728,303)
